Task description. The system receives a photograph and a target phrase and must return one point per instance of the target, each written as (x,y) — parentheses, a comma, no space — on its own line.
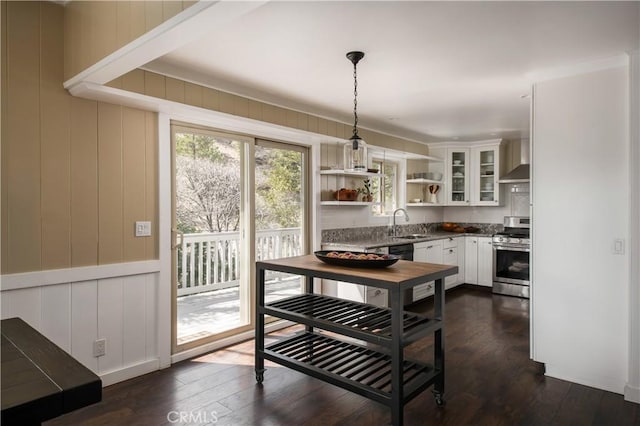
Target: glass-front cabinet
(472,171)
(486,188)
(458,173)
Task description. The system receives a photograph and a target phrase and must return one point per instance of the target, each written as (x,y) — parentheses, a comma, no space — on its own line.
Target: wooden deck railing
(210,261)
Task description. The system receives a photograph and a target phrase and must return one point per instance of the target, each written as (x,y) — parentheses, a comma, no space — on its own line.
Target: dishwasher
(405,251)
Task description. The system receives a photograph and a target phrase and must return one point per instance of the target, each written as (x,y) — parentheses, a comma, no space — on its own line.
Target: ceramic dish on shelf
(361,260)
(457,162)
(458,174)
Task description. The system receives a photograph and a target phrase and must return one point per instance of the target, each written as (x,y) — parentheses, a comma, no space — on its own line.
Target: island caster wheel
(439,399)
(260,377)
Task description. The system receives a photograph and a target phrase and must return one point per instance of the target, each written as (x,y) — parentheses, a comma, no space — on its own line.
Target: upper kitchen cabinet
(472,171)
(485,190)
(458,177)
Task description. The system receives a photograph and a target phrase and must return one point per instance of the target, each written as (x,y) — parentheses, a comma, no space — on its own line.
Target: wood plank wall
(95,29)
(76,174)
(163,87)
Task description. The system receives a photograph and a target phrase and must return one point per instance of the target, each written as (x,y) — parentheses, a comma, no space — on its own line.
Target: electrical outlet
(100,347)
(618,246)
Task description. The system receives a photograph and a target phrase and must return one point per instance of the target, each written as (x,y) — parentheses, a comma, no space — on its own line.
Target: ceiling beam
(189,25)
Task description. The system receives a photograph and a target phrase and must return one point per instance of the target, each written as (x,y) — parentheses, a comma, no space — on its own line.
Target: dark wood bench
(40,381)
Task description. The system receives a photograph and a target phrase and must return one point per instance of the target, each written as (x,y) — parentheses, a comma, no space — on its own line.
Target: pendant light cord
(355,99)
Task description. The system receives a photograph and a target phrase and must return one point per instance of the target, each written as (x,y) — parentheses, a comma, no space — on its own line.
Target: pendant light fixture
(355,151)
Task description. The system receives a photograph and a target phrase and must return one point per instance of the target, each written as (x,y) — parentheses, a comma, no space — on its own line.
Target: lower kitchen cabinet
(430,252)
(453,253)
(478,266)
(448,251)
(485,261)
(450,257)
(363,294)
(471,260)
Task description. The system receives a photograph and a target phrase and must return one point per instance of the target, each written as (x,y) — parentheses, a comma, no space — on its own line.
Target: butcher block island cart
(377,368)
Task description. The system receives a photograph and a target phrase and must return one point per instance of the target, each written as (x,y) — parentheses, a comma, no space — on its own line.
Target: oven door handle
(505,247)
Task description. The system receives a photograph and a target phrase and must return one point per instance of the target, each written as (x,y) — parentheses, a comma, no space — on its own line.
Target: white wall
(580,193)
(74,307)
(513,204)
(333,217)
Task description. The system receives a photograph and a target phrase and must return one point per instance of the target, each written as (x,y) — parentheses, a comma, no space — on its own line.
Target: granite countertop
(364,244)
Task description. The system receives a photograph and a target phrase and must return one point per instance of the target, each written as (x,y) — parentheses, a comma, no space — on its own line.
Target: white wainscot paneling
(24,304)
(84,322)
(56,314)
(111,323)
(134,319)
(121,308)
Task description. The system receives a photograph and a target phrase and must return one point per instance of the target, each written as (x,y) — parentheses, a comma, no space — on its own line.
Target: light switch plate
(143,229)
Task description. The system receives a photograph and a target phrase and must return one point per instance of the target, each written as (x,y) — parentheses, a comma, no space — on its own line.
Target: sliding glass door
(281,215)
(235,200)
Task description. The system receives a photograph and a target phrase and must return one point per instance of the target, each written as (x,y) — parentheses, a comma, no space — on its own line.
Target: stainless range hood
(521,173)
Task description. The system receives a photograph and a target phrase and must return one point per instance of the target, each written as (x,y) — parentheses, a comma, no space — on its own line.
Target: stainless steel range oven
(511,256)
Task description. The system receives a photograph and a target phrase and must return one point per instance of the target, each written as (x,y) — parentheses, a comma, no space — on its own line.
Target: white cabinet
(485,190)
(458,175)
(485,261)
(430,252)
(478,261)
(461,259)
(450,257)
(472,171)
(471,260)
(363,294)
(453,254)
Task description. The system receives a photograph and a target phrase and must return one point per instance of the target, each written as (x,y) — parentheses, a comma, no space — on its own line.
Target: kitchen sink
(413,236)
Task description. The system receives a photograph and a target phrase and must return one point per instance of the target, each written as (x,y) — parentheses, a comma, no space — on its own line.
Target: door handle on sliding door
(179,234)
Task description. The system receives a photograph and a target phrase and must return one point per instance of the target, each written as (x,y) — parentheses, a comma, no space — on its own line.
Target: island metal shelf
(376,368)
(363,370)
(358,320)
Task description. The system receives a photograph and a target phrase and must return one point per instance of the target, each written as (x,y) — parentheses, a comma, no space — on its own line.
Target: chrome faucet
(406,217)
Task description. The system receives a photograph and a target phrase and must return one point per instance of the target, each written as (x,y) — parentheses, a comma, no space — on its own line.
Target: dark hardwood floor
(490,381)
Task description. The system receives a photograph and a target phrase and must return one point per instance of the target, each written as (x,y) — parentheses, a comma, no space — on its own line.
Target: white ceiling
(432,70)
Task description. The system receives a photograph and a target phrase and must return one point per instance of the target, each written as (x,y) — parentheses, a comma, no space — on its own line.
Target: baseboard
(632,394)
(601,383)
(129,372)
